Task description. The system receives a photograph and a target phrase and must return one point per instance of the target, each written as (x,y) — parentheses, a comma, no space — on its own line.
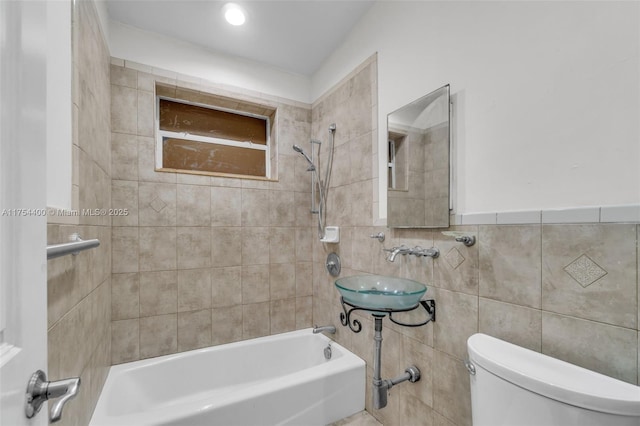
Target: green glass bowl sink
(380,292)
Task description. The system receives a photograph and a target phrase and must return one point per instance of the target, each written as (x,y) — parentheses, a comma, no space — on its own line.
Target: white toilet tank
(514,386)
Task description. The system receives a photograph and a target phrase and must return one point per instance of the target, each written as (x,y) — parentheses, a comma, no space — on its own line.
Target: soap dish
(331,234)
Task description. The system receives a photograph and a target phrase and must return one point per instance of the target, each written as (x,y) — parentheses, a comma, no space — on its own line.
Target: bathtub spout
(328,328)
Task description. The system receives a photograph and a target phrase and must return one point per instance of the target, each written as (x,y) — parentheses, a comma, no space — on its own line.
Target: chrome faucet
(416,251)
(39,390)
(467,240)
(328,328)
(430,252)
(396,251)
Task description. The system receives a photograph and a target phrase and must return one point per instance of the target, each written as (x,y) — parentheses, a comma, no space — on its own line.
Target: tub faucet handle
(40,390)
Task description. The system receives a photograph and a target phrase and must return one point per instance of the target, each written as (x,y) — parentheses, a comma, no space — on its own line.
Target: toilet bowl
(514,386)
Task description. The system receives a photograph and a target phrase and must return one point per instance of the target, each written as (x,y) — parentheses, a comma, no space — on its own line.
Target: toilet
(514,386)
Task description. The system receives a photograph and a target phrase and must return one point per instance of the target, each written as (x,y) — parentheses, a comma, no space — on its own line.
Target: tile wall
(202,260)
(79,287)
(566,290)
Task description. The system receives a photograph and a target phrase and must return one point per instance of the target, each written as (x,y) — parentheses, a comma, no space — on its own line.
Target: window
(193,137)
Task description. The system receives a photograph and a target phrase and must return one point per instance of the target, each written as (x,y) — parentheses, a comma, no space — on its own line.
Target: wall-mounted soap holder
(461,237)
(331,234)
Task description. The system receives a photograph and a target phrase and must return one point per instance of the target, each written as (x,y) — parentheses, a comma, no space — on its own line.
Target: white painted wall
(103,17)
(547,94)
(159,51)
(59,105)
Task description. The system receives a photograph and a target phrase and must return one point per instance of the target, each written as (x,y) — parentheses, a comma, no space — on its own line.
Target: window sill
(214,174)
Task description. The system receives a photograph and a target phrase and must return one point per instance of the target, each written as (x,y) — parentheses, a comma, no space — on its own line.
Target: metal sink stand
(412,373)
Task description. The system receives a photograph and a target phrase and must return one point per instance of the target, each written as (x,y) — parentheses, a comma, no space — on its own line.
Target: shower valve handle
(40,390)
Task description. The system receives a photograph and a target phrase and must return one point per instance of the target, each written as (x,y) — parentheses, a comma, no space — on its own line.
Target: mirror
(418,163)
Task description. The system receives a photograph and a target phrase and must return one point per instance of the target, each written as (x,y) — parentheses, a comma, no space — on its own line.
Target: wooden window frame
(161,134)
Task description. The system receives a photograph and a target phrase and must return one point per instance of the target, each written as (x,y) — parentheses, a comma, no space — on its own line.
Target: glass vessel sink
(380,292)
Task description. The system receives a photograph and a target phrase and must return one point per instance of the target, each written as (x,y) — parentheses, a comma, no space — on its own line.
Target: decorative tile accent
(454,258)
(614,247)
(585,271)
(157,204)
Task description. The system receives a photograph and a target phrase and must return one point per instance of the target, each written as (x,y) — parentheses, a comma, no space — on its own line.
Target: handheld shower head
(312,167)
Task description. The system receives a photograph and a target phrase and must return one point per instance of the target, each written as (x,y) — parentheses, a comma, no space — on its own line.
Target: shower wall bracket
(314,209)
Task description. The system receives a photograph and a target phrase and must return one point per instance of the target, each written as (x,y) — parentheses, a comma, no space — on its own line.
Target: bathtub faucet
(328,328)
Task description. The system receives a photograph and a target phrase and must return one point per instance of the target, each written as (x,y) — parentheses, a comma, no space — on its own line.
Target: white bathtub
(281,379)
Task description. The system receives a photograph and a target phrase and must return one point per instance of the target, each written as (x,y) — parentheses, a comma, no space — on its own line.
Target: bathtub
(274,380)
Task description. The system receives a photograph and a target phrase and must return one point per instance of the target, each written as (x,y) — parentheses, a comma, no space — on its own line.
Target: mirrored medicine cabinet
(418,164)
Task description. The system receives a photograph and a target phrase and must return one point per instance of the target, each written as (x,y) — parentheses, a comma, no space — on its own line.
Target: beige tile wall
(555,289)
(203,260)
(79,287)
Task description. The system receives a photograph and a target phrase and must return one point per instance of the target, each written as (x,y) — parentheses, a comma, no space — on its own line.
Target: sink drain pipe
(381,386)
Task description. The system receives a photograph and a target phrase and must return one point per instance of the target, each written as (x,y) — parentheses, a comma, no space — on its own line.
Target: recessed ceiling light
(233,14)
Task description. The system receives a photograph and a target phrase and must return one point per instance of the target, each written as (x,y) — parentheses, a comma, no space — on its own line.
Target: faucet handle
(40,390)
(467,240)
(379,236)
(430,252)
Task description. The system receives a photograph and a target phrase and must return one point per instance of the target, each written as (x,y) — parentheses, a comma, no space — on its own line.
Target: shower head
(312,167)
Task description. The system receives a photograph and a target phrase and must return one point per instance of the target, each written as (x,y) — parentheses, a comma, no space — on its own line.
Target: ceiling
(293,35)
